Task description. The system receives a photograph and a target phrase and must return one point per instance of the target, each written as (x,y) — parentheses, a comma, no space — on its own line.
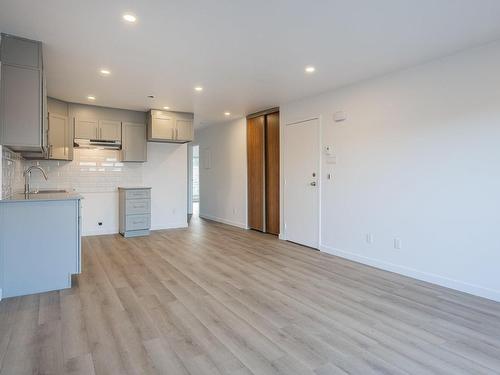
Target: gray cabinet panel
(20,51)
(138,194)
(137,222)
(40,245)
(135,211)
(86,129)
(23,120)
(138,206)
(184,130)
(170,127)
(60,142)
(134,145)
(21,117)
(110,130)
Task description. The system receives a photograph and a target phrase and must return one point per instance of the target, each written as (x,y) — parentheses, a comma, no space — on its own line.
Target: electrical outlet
(397,243)
(235,211)
(369,238)
(99,223)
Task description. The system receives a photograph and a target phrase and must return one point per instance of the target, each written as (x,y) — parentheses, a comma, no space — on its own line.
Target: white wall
(166,172)
(418,158)
(223,187)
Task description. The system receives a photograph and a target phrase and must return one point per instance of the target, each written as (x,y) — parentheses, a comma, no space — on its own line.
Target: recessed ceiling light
(105,72)
(310,69)
(129,17)
(227,113)
(198,88)
(91,97)
(166,107)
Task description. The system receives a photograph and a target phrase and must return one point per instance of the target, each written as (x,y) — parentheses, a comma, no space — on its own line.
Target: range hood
(97,144)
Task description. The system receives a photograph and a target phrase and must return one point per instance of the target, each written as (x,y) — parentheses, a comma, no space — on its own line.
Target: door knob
(313,183)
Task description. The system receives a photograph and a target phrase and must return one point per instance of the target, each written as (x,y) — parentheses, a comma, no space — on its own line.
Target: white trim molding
(461,286)
(224,221)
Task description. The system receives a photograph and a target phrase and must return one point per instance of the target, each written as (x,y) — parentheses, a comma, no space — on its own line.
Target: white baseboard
(101,232)
(461,286)
(182,224)
(104,232)
(224,221)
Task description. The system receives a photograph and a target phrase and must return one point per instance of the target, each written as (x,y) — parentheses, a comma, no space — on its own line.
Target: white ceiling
(248,55)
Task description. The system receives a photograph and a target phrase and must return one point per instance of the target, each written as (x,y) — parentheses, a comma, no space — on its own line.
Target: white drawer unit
(135,211)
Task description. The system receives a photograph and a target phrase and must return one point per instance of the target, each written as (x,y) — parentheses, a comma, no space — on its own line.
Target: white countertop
(133,187)
(21,197)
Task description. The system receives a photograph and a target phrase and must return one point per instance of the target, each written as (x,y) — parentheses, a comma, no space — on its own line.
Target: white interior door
(301,177)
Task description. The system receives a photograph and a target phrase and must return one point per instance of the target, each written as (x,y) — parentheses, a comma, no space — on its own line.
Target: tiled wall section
(12,173)
(91,171)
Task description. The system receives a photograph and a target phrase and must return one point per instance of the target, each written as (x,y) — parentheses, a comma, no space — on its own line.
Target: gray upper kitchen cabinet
(167,126)
(184,128)
(21,52)
(22,95)
(110,130)
(161,126)
(60,140)
(104,130)
(86,129)
(134,145)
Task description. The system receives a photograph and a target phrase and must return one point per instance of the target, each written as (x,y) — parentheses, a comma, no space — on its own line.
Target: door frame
(283,236)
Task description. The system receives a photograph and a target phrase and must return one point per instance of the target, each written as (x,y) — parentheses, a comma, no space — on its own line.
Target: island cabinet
(39,243)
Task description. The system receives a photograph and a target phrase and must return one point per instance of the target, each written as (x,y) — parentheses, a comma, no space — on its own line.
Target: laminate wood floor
(214,299)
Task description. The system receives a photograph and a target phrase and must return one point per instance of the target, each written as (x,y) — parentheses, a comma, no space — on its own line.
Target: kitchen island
(40,246)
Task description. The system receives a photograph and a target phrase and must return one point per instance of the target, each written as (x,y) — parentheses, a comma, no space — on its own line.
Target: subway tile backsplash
(91,171)
(12,173)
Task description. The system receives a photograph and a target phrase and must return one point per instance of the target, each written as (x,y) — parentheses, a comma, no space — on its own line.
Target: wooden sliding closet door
(263,158)
(272,173)
(256,170)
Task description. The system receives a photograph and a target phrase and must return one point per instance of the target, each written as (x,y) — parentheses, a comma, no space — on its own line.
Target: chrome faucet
(27,177)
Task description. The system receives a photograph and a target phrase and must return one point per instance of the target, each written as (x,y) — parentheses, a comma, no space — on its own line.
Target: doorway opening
(195,182)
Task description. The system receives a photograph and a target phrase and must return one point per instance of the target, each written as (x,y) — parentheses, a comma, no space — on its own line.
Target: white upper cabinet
(59,137)
(166,126)
(86,129)
(134,145)
(110,130)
